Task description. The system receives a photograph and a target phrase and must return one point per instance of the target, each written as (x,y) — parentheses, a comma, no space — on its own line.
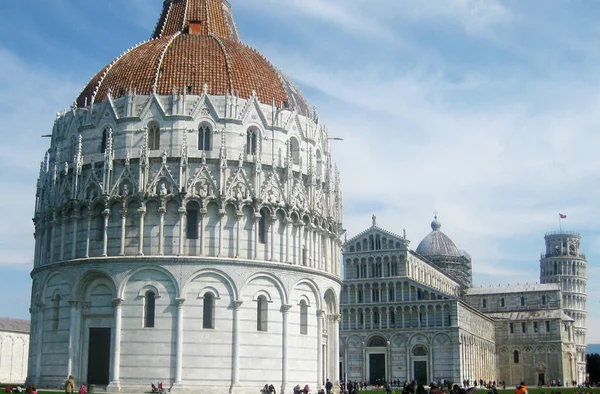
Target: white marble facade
(407,316)
(14,350)
(216,197)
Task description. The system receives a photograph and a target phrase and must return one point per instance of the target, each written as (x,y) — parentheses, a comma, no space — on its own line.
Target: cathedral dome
(436,243)
(195,47)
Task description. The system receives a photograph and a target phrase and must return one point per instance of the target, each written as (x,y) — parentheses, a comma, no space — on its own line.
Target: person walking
(69,385)
(328,386)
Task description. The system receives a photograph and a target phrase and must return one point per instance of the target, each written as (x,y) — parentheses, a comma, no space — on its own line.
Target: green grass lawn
(535,390)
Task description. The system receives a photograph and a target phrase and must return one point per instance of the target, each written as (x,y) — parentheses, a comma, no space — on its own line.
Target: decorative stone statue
(163,189)
(125,192)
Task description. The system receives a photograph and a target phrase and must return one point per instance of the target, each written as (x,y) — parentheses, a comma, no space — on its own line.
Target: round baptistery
(187,222)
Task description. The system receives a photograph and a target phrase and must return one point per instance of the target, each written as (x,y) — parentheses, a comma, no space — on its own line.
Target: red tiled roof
(187,58)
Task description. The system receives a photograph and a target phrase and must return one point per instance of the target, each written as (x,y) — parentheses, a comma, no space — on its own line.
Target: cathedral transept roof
(195,46)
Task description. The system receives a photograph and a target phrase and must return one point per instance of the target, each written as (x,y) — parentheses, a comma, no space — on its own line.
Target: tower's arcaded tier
(187,222)
(564,263)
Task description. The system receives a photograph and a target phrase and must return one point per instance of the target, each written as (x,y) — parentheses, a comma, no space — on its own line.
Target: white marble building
(187,222)
(14,350)
(410,315)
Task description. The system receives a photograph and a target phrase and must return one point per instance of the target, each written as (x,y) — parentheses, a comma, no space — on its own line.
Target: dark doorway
(541,379)
(376,367)
(99,356)
(421,372)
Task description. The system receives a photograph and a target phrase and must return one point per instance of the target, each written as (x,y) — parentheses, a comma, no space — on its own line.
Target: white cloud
(498,174)
(29,100)
(476,16)
(348,15)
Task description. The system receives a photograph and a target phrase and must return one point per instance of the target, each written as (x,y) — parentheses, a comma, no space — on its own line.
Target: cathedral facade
(414,315)
(187,222)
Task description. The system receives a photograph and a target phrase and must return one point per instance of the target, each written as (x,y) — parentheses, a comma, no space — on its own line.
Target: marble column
(142,212)
(336,348)
(73,345)
(39,330)
(181,212)
(287,223)
(302,259)
(53,235)
(256,224)
(63,225)
(389,361)
(235,356)
(202,230)
(36,247)
(284,346)
(89,234)
(222,217)
(123,231)
(179,348)
(272,222)
(116,351)
(161,230)
(75,219)
(320,317)
(238,218)
(308,244)
(106,215)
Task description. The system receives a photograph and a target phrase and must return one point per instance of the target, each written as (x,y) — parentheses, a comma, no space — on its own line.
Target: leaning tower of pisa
(564,263)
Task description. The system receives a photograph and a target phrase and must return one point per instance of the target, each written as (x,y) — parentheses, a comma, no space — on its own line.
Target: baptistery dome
(195,47)
(187,197)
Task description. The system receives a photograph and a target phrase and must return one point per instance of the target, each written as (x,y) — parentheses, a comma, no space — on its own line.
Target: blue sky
(487,111)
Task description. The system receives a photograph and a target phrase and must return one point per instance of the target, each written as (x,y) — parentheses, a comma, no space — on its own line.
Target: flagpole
(560,222)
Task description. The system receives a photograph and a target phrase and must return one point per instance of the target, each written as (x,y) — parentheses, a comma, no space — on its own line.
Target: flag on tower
(562,216)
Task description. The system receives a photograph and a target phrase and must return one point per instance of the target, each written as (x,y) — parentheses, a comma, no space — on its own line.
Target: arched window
(420,351)
(153,136)
(208,309)
(262,313)
(376,342)
(204,137)
(251,141)
(104,139)
(262,226)
(516,356)
(374,295)
(295,150)
(391,294)
(149,308)
(377,242)
(98,224)
(543,300)
(502,303)
(303,318)
(484,303)
(191,224)
(55,311)
(392,318)
(522,301)
(375,316)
